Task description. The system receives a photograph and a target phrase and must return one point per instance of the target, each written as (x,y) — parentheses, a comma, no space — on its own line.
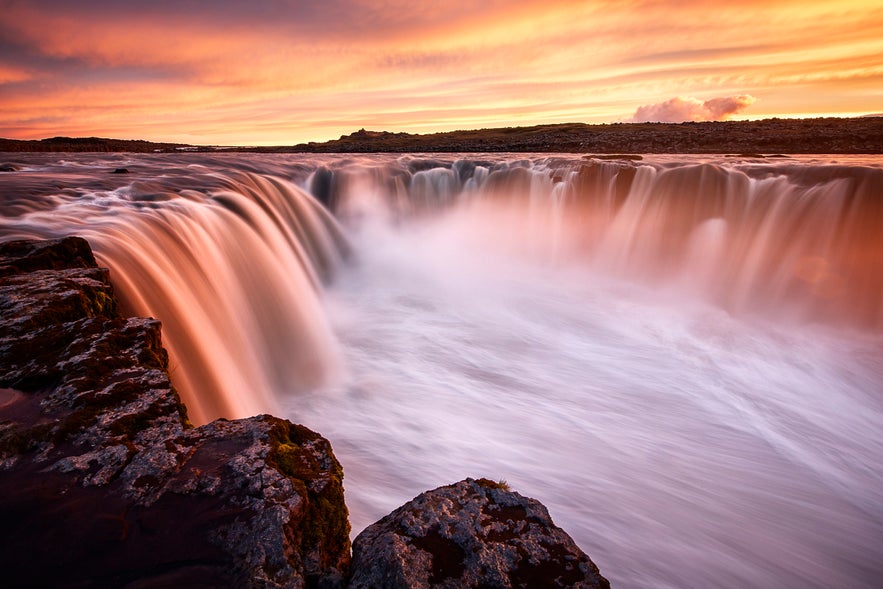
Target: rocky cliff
(105,483)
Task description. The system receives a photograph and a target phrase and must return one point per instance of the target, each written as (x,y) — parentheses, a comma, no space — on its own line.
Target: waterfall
(796,242)
(680,356)
(234,274)
(232,261)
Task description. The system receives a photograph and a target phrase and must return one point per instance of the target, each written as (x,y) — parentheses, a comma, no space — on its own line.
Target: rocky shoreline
(105,483)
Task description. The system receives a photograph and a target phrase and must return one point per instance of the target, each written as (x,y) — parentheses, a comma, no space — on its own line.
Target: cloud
(294,70)
(678,110)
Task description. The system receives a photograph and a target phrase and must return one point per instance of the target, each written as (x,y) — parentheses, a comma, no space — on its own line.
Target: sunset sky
(286,71)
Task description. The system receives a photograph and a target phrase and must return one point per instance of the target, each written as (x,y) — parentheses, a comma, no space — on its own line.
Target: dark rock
(120,171)
(615,156)
(475,533)
(92,144)
(28,256)
(322,187)
(104,482)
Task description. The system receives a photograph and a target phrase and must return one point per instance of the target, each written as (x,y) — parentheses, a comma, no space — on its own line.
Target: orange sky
(286,71)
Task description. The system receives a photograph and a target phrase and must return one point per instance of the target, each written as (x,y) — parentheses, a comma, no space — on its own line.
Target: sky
(279,72)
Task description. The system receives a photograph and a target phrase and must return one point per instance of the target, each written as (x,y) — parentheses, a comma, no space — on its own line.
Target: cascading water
(681,358)
(777,238)
(233,273)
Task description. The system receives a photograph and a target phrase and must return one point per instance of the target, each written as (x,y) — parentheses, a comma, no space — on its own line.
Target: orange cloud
(285,72)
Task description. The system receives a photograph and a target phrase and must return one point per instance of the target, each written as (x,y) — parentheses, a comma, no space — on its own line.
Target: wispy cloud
(679,110)
(285,71)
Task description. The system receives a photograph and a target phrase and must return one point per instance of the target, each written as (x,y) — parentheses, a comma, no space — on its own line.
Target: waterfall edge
(102,471)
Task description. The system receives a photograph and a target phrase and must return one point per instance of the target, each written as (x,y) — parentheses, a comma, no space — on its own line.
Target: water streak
(233,273)
(797,242)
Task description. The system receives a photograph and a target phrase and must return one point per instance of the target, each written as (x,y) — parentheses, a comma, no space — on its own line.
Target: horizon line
(464,130)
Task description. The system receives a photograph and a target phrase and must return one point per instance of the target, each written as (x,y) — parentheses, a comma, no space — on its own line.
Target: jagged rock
(475,533)
(104,482)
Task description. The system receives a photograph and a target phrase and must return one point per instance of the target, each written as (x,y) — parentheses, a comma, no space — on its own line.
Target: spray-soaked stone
(475,533)
(105,483)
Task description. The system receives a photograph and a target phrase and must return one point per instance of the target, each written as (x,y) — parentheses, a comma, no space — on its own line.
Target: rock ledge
(104,482)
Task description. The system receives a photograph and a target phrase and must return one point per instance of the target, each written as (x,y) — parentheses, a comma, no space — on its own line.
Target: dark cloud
(17,49)
(679,110)
(308,18)
(20,52)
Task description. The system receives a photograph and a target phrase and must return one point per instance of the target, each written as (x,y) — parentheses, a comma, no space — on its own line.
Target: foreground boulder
(475,533)
(104,482)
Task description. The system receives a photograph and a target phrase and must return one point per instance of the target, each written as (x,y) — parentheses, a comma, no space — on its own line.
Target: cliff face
(103,480)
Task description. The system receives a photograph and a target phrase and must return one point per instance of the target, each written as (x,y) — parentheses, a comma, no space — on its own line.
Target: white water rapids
(682,360)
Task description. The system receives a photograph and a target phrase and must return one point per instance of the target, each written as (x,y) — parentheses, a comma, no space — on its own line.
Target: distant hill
(824,135)
(90,144)
(861,135)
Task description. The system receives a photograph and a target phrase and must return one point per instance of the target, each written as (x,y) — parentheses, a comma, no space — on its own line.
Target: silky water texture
(682,357)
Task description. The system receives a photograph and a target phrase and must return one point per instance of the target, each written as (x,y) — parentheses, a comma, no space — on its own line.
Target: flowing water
(682,357)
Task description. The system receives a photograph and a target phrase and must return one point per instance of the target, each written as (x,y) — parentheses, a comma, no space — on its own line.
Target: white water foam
(681,447)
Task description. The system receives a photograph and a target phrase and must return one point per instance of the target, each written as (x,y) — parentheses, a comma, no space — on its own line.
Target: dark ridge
(90,144)
(769,136)
(859,135)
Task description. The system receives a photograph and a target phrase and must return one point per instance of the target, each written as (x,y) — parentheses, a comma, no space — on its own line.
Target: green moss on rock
(306,458)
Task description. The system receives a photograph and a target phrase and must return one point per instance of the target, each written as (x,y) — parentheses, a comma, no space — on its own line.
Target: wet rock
(475,533)
(104,482)
(17,257)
